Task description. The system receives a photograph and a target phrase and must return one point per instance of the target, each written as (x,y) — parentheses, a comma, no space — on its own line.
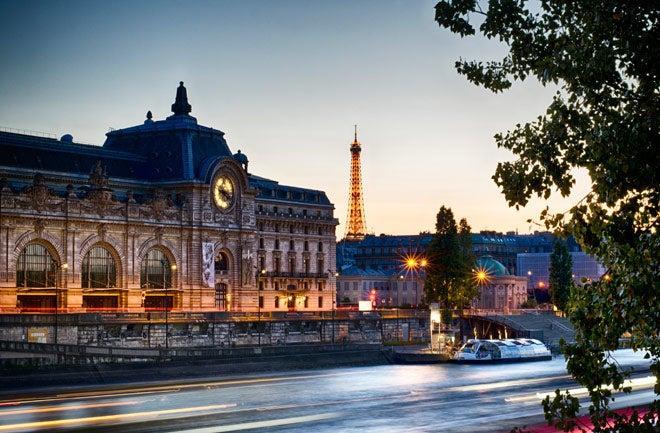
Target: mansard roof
(272,190)
(30,154)
(384,240)
(174,150)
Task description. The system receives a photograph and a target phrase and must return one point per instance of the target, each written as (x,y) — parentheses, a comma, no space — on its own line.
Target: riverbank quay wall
(154,331)
(57,365)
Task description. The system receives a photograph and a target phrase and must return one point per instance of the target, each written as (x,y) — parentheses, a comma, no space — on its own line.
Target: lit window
(99,269)
(155,272)
(36,267)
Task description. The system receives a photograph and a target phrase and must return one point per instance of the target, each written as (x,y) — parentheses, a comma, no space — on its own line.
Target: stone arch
(227,164)
(111,245)
(52,244)
(218,248)
(170,251)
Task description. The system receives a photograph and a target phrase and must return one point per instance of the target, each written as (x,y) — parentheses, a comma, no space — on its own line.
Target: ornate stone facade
(122,227)
(498,290)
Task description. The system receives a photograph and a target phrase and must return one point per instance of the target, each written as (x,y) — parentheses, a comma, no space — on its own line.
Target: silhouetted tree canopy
(561,275)
(449,275)
(604,59)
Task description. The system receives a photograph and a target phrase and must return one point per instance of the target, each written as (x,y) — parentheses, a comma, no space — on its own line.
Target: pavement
(385,398)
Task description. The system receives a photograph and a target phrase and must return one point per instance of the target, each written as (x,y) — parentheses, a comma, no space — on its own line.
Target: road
(397,398)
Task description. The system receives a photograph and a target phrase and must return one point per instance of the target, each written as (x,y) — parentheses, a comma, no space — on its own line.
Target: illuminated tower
(356,223)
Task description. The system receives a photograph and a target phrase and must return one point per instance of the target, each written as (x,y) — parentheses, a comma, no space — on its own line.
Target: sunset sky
(285,81)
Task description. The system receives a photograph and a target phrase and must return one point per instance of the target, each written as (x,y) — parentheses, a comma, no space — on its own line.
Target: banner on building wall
(38,334)
(208,265)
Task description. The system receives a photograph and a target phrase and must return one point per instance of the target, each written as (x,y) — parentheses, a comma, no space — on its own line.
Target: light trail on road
(113,418)
(422,398)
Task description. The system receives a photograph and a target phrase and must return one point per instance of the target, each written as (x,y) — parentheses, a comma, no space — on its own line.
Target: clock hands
(224,192)
(226,195)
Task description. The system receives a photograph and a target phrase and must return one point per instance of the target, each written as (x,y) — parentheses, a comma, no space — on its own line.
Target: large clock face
(223,192)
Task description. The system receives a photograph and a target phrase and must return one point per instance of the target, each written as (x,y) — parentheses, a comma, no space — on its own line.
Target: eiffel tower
(356,224)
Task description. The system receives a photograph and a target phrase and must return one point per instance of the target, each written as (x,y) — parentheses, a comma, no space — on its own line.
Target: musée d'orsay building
(163,215)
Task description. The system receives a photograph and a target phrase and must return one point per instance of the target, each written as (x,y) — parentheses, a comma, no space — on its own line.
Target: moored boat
(479,351)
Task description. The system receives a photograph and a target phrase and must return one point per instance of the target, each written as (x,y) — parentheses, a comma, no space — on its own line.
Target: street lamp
(167,300)
(398,305)
(529,276)
(260,273)
(64,267)
(334,301)
(263,273)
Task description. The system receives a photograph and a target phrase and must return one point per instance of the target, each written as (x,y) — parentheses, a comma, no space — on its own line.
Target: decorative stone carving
(208,264)
(246,266)
(98,177)
(38,194)
(102,230)
(70,193)
(159,204)
(99,196)
(39,226)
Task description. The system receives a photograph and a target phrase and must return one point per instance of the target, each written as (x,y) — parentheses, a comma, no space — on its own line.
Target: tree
(468,290)
(561,275)
(450,262)
(604,58)
(529,303)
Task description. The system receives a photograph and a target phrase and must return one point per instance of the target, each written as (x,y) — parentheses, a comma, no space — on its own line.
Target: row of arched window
(37,267)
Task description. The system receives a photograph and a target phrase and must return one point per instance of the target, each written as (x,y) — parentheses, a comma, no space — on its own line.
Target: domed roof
(241,158)
(491,266)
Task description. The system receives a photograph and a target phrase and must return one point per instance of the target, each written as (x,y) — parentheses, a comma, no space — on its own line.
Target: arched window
(98,269)
(221,264)
(320,247)
(36,267)
(156,271)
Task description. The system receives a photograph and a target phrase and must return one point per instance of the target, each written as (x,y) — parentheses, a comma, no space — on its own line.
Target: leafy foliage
(561,275)
(529,303)
(448,279)
(604,57)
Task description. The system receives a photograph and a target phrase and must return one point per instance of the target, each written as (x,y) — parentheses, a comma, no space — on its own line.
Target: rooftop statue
(181,107)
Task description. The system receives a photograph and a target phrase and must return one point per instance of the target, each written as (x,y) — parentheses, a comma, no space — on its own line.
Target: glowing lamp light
(541,284)
(423,263)
(607,277)
(481,275)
